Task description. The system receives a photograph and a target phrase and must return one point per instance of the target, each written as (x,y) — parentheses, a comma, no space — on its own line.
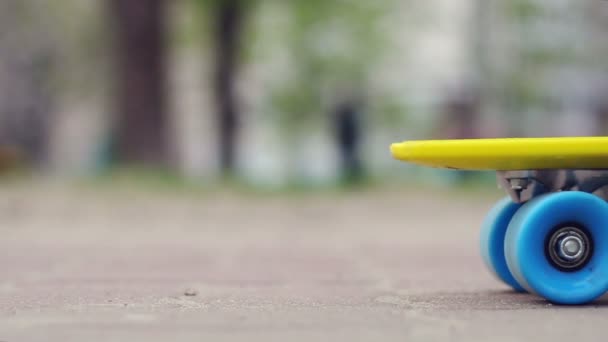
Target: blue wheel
(492,241)
(557,247)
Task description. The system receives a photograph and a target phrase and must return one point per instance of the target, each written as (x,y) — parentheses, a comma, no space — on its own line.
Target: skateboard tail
(434,153)
(506,153)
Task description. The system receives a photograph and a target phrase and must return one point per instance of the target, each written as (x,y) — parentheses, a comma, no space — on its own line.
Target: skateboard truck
(523,185)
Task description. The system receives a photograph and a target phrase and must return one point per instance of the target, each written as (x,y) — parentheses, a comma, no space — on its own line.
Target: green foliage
(545,56)
(523,91)
(331,47)
(530,22)
(523,9)
(391,114)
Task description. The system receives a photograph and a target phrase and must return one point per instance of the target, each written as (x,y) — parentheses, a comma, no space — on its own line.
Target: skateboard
(549,235)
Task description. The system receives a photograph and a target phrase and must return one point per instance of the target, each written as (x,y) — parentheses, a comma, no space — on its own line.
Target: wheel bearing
(569,247)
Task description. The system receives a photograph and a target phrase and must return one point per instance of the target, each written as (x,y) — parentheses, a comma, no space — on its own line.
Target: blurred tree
(228,19)
(26,60)
(332,47)
(545,44)
(226,27)
(141,82)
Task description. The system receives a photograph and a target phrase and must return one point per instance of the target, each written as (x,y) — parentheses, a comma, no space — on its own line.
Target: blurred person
(600,113)
(459,119)
(348,134)
(460,115)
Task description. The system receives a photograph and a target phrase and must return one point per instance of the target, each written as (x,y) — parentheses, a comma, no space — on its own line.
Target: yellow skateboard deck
(506,154)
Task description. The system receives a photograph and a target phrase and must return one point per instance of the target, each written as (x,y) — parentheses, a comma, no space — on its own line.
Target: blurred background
(174,157)
(274,94)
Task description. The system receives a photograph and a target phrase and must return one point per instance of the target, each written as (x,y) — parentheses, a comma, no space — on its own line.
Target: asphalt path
(139,265)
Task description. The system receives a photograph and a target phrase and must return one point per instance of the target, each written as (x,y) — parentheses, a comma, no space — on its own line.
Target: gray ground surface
(115,265)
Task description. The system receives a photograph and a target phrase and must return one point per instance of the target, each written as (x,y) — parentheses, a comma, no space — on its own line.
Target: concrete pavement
(127,265)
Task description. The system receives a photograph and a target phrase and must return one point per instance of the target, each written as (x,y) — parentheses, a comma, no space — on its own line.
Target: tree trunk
(141,75)
(26,100)
(229,16)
